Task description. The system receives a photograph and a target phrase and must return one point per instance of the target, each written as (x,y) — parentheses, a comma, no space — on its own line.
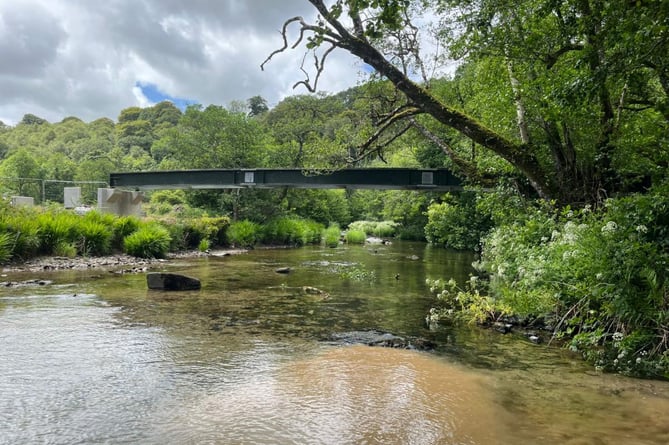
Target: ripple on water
(345,395)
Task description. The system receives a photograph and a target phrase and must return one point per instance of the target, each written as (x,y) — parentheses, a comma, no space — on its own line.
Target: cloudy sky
(91,59)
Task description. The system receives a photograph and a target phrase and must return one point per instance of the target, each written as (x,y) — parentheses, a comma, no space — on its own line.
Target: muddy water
(97,358)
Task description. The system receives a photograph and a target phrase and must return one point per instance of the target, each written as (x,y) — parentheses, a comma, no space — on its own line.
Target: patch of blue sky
(154,96)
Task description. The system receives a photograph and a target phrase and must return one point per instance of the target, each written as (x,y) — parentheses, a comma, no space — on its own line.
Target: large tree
(584,78)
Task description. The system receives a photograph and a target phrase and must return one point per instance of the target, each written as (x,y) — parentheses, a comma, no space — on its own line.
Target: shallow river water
(96,358)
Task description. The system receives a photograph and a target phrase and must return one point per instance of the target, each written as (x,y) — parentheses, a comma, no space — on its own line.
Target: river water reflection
(97,358)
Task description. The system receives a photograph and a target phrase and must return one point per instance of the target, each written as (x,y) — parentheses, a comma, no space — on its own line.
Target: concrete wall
(120,202)
(71,197)
(27,201)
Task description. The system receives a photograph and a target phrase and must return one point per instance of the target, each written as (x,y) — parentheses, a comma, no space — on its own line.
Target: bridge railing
(366,178)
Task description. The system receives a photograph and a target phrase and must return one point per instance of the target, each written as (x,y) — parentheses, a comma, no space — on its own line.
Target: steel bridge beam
(359,178)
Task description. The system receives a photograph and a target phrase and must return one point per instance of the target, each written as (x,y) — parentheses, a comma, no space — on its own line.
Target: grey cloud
(83,58)
(29,40)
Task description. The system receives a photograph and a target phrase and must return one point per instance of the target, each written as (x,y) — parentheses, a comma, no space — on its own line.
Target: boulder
(171,281)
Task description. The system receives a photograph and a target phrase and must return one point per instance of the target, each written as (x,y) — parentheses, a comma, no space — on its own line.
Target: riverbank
(122,262)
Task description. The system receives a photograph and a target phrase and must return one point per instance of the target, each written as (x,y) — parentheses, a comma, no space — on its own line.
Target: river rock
(25,283)
(383,339)
(171,281)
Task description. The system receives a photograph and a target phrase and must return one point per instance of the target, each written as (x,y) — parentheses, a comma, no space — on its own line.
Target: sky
(91,59)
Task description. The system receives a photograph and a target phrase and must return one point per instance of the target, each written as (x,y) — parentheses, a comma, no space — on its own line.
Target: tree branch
(551,59)
(397,115)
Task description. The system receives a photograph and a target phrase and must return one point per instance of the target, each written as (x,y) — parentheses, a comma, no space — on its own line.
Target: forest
(556,117)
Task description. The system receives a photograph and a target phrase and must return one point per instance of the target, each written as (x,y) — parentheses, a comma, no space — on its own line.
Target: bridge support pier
(120,202)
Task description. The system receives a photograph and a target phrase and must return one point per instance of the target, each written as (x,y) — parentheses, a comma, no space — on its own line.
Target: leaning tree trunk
(519,155)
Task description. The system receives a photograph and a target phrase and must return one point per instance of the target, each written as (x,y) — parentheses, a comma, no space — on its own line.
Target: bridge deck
(362,178)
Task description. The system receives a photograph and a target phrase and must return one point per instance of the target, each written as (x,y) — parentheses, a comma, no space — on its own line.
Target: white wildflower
(641,229)
(609,227)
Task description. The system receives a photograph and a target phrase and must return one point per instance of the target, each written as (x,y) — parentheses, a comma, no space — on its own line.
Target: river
(96,358)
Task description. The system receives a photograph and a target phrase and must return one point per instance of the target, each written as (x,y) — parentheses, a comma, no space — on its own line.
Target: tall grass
(382,229)
(124,226)
(149,241)
(24,230)
(93,237)
(243,233)
(291,231)
(57,228)
(331,235)
(6,244)
(355,237)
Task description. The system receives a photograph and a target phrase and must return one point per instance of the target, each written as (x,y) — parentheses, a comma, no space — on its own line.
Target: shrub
(124,226)
(93,237)
(314,231)
(56,228)
(205,228)
(331,235)
(602,275)
(468,303)
(243,233)
(105,219)
(149,241)
(381,229)
(24,229)
(65,249)
(384,229)
(364,226)
(457,223)
(355,237)
(203,246)
(170,197)
(291,231)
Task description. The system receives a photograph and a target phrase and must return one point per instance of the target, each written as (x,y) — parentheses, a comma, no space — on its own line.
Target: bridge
(441,180)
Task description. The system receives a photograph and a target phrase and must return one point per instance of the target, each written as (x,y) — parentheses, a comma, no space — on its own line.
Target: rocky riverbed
(119,263)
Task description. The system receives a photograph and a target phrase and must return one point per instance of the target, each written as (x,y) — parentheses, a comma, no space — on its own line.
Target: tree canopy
(575,84)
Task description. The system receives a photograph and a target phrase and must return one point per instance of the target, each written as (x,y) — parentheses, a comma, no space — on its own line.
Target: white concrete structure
(120,202)
(27,201)
(71,197)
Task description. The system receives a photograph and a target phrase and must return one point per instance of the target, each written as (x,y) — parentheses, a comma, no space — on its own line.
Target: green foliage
(323,206)
(214,136)
(456,222)
(149,241)
(331,235)
(188,233)
(93,237)
(171,197)
(24,230)
(382,229)
(357,273)
(291,231)
(203,246)
(6,244)
(355,237)
(243,233)
(65,249)
(602,274)
(122,227)
(56,227)
(468,303)
(18,173)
